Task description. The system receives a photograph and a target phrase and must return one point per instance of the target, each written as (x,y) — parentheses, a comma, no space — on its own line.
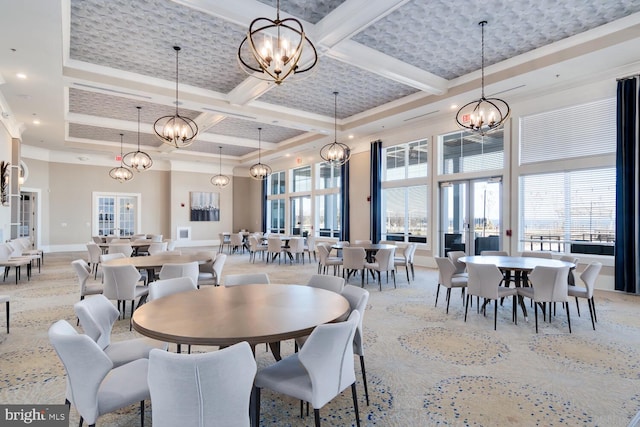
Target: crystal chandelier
(138,160)
(220,180)
(176,130)
(273,48)
(260,171)
(121,173)
(335,153)
(483,115)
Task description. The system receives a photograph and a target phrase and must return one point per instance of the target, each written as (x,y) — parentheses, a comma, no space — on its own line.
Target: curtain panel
(344,201)
(376,191)
(627,187)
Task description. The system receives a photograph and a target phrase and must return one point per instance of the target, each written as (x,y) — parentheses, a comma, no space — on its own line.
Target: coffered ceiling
(90,63)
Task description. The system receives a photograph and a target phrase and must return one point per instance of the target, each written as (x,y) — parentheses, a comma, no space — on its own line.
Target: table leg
(275,350)
(521,281)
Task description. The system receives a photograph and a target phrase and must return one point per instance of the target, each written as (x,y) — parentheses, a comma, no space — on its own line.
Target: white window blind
(576,131)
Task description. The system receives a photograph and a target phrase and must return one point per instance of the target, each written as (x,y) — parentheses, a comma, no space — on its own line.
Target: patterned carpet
(424,367)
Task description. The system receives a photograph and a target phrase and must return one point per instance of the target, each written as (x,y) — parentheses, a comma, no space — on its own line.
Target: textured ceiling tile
(310,11)
(443,37)
(214,148)
(248,129)
(138,36)
(115,107)
(359,90)
(112,135)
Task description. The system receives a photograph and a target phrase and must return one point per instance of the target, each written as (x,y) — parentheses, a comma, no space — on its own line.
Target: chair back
(550,284)
(537,254)
(246,279)
(327,356)
(362,242)
(86,366)
(164,287)
(494,253)
(274,244)
(123,248)
(157,247)
(185,269)
(412,252)
(218,265)
(236,239)
(207,266)
(353,258)
(296,245)
(589,275)
(330,283)
(484,280)
(16,248)
(205,389)
(570,258)
(358,299)
(344,243)
(83,271)
(108,239)
(171,245)
(5,251)
(94,253)
(109,257)
(323,253)
(446,270)
(459,266)
(385,259)
(156,237)
(120,282)
(97,315)
(311,243)
(97,239)
(253,243)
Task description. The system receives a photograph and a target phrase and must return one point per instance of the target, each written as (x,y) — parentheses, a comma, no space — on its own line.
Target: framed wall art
(205,206)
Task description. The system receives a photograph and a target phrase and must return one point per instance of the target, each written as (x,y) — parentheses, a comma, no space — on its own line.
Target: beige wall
(182,183)
(247,210)
(359,189)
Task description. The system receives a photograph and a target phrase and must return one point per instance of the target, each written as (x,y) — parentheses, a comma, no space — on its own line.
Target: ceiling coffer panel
(359,90)
(214,149)
(138,36)
(311,11)
(101,134)
(116,107)
(248,129)
(444,38)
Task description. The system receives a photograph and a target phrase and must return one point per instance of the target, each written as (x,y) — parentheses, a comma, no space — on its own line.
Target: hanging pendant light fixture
(121,173)
(484,115)
(220,180)
(335,153)
(176,130)
(138,160)
(273,48)
(260,171)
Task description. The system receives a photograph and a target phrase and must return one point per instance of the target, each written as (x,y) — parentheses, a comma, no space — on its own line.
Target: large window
(328,176)
(276,183)
(468,152)
(301,179)
(404,193)
(570,206)
(275,216)
(328,215)
(573,208)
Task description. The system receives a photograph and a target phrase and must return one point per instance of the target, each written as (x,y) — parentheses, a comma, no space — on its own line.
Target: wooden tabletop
(153,261)
(223,316)
(366,246)
(515,263)
(133,244)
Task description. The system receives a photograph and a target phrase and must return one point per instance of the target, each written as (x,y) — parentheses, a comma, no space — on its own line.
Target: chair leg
(379,281)
(466,308)
(495,315)
(514,310)
(448,298)
(536,311)
(393,274)
(593,305)
(577,306)
(364,379)
(355,403)
(566,306)
(7,303)
(256,410)
(406,267)
(316,415)
(589,303)
(437,292)
(142,413)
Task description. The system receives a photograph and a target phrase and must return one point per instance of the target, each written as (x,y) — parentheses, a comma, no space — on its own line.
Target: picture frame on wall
(204,206)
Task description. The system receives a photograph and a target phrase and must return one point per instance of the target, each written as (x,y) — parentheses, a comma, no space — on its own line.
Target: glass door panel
(454,217)
(116,214)
(300,215)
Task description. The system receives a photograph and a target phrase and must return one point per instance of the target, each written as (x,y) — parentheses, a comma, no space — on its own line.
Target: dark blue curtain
(376,191)
(344,201)
(263,205)
(627,187)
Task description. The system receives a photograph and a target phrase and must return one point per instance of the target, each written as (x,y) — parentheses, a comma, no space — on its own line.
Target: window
(328,176)
(468,152)
(275,216)
(404,214)
(116,214)
(328,215)
(404,192)
(569,208)
(575,207)
(301,179)
(276,183)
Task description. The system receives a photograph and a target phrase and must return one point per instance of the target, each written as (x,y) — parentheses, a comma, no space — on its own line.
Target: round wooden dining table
(223,316)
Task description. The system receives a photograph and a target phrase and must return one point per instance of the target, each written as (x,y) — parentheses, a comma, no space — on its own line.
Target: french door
(300,215)
(116,214)
(471,215)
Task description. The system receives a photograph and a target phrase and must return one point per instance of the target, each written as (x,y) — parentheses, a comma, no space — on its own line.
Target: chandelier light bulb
(138,160)
(260,171)
(121,173)
(335,153)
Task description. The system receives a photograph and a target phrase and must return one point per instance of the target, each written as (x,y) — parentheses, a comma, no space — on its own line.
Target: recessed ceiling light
(83,158)
(454,106)
(36,121)
(21,76)
(350,136)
